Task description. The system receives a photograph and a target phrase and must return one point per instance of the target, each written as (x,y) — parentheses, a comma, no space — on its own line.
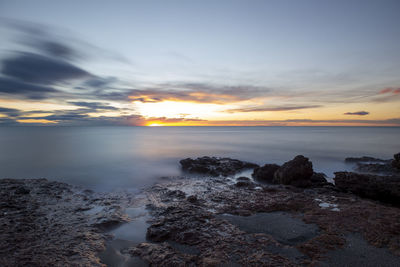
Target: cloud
(197,92)
(394,91)
(8,122)
(99,82)
(56,49)
(10,112)
(93,105)
(172,120)
(27,90)
(81,117)
(359,113)
(262,109)
(302,122)
(34,68)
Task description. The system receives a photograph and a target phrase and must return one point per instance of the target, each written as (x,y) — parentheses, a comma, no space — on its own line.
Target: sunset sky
(310,62)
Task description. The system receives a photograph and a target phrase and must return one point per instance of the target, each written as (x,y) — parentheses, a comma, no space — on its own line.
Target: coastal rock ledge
(296,172)
(382,188)
(214,166)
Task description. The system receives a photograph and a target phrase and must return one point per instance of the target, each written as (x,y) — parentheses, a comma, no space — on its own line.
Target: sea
(130,158)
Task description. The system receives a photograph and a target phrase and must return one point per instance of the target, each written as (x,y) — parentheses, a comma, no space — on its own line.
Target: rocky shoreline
(280,216)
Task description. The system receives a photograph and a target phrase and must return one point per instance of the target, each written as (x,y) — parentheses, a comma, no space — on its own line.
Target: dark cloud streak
(34,68)
(26,90)
(263,109)
(358,113)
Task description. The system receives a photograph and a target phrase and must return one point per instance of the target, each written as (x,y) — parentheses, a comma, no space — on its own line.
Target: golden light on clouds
(176,109)
(37,121)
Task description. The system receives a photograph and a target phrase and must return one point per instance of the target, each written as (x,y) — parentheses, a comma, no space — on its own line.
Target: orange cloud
(390,90)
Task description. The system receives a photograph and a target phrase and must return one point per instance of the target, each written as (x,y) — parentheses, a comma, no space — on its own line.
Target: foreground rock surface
(47,223)
(215,166)
(383,188)
(198,221)
(224,226)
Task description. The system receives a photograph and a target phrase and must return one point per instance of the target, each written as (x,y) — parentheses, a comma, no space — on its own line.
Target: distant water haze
(114,158)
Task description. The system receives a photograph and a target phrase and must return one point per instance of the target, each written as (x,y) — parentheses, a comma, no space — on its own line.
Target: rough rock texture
(215,166)
(374,165)
(366,159)
(243,181)
(204,239)
(161,255)
(396,161)
(319,179)
(53,224)
(296,172)
(265,173)
(380,168)
(383,188)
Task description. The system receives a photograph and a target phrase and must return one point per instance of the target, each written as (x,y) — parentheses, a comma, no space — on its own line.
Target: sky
(200,63)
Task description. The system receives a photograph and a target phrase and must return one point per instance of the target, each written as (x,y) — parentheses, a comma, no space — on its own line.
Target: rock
(157,233)
(382,188)
(243,182)
(162,255)
(318,178)
(22,190)
(192,199)
(296,172)
(215,166)
(386,168)
(396,161)
(265,173)
(375,165)
(365,159)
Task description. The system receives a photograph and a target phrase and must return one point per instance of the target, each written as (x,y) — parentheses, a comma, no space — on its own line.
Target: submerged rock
(265,173)
(365,159)
(384,168)
(374,165)
(383,188)
(296,172)
(215,166)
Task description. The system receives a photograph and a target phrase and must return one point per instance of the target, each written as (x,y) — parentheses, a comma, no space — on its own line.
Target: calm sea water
(111,158)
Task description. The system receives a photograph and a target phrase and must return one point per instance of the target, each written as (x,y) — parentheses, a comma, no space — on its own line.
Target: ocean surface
(114,158)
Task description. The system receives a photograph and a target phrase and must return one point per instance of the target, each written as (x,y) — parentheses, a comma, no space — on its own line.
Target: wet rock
(157,232)
(365,159)
(296,172)
(396,161)
(243,182)
(265,173)
(384,168)
(215,166)
(21,190)
(382,188)
(319,179)
(192,199)
(224,243)
(375,165)
(47,224)
(176,194)
(162,255)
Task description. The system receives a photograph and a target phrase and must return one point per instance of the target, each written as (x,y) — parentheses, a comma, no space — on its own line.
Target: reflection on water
(124,237)
(110,158)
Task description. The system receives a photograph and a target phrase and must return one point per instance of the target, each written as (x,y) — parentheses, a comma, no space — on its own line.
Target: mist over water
(113,158)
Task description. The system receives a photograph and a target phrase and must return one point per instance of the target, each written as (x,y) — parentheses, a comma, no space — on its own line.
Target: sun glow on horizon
(154,124)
